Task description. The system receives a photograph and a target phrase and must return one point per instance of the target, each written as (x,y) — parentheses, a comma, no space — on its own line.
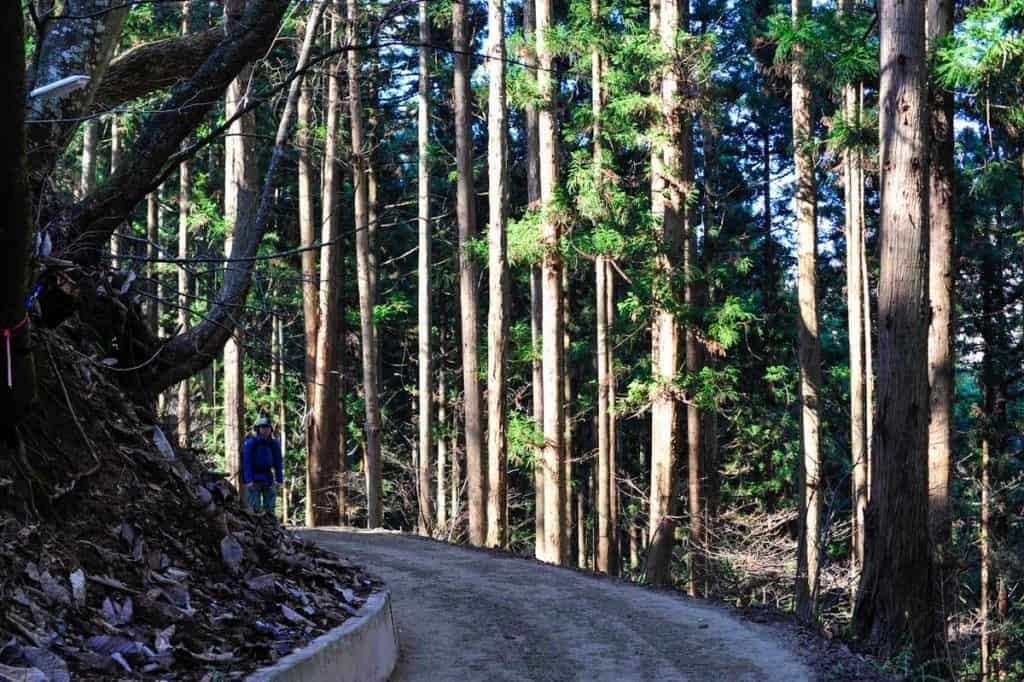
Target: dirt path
(471,615)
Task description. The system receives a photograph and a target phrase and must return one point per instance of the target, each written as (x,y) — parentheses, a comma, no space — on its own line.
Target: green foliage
(524,437)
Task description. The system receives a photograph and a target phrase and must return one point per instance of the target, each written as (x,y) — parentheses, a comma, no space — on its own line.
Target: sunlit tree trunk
(498,277)
(468,274)
(184,274)
(985,549)
(240,190)
(116,151)
(555,550)
(323,458)
(532,117)
(895,601)
(939,24)
(442,445)
(668,202)
(810,347)
(853,182)
(90,142)
(307,224)
(367,287)
(426,520)
(568,421)
(601,501)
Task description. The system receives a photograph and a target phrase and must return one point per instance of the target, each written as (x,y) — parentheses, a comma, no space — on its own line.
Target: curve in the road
(466,614)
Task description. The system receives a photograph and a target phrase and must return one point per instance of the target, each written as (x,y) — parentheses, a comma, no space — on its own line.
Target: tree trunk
(605,537)
(360,182)
(282,412)
(853,181)
(18,388)
(555,550)
(613,486)
(694,297)
(983,541)
(536,335)
(568,421)
(90,141)
(115,163)
(184,274)
(536,296)
(939,24)
(323,458)
(498,278)
(307,230)
(184,301)
(869,357)
(152,253)
(239,205)
(425,525)
(896,594)
(83,46)
(442,445)
(468,273)
(810,346)
(664,332)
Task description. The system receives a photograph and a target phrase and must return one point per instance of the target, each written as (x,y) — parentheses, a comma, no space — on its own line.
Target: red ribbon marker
(7,342)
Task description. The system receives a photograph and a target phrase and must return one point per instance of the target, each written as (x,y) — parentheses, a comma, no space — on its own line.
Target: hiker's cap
(262,421)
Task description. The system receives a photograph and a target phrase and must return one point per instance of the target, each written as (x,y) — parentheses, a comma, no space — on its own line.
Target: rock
(162,444)
(11,674)
(231,553)
(78,588)
(49,663)
(53,590)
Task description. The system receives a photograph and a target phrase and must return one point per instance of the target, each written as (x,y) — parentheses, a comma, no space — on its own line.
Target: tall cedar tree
(498,276)
(425,519)
(323,456)
(895,599)
(665,434)
(555,549)
(366,278)
(810,345)
(468,275)
(239,208)
(940,291)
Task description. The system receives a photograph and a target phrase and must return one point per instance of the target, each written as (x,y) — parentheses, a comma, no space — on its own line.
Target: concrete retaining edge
(363,649)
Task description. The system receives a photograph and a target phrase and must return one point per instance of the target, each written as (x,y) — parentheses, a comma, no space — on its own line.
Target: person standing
(262,467)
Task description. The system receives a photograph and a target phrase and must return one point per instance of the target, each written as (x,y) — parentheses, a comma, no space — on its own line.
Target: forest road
(466,614)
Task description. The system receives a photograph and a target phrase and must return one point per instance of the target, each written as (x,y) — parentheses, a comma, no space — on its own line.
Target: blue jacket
(261,458)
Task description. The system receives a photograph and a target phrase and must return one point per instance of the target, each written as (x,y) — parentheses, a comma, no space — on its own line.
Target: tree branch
(191,351)
(88,226)
(153,66)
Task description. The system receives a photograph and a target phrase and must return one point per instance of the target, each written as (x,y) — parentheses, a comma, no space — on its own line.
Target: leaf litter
(142,564)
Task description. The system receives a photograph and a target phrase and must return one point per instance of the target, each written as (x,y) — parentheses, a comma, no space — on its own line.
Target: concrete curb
(363,649)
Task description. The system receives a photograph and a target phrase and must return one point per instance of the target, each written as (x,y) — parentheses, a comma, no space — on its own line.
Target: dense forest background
(710,186)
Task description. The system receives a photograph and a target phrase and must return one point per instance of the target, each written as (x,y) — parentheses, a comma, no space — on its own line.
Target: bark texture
(469,305)
(555,550)
(940,332)
(144,69)
(532,117)
(365,277)
(240,197)
(810,345)
(667,198)
(498,278)
(325,492)
(425,524)
(895,600)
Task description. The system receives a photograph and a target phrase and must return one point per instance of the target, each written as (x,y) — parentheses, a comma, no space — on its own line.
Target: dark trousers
(262,496)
